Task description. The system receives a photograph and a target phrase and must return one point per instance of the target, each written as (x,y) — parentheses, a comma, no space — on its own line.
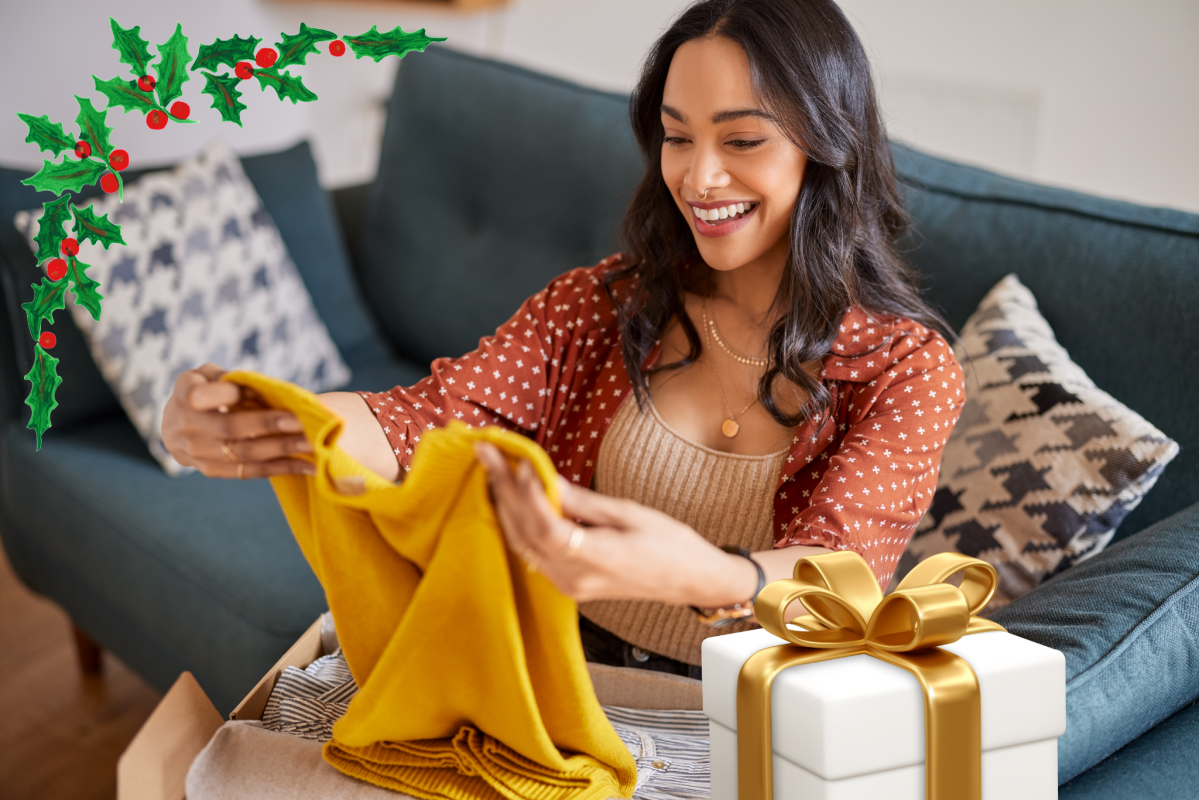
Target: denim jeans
(1127,621)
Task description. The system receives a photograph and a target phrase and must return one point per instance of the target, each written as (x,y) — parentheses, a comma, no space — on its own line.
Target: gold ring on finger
(577,535)
(241,471)
(529,556)
(228,454)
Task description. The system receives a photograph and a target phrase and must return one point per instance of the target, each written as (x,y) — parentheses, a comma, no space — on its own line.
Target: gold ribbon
(849,616)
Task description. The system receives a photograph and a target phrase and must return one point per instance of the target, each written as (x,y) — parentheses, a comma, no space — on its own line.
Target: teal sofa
(492,180)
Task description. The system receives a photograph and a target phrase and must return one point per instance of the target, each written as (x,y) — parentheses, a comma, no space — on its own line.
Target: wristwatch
(719,617)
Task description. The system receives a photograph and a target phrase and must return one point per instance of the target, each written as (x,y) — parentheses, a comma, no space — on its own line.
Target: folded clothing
(670,746)
(471,675)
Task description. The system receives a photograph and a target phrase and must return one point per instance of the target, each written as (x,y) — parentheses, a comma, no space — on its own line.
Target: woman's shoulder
(583,293)
(868,342)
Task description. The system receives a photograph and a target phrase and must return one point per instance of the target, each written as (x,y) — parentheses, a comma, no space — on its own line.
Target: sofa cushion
(492,180)
(1043,465)
(1117,283)
(287,183)
(202,275)
(1127,621)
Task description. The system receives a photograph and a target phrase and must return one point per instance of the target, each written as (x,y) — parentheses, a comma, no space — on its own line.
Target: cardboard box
(155,765)
(853,728)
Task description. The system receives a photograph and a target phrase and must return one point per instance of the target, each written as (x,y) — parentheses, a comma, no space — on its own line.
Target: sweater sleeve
(880,480)
(508,380)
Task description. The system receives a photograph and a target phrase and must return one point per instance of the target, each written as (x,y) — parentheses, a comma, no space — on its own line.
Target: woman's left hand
(626,551)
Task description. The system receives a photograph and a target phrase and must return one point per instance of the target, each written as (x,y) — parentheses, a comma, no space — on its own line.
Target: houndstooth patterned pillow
(205,277)
(1042,465)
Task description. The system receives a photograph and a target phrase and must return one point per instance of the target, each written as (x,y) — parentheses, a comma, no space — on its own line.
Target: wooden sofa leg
(89,652)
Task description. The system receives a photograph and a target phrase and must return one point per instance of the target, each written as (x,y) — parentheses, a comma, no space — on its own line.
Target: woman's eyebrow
(721,116)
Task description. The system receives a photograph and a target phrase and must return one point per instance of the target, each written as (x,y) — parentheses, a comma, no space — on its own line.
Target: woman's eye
(746,144)
(674,141)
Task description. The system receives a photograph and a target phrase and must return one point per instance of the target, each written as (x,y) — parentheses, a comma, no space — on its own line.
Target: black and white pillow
(205,277)
(1042,465)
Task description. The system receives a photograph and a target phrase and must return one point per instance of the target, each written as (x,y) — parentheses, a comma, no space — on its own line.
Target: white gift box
(853,728)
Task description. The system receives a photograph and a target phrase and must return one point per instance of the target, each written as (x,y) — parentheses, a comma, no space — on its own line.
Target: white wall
(1098,96)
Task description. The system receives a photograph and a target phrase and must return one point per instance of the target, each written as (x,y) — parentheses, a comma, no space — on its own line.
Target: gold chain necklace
(710,324)
(729,427)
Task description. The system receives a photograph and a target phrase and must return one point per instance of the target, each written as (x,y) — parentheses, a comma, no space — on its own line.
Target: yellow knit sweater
(471,672)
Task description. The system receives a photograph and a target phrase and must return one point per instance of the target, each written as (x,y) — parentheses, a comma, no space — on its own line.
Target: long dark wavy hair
(810,71)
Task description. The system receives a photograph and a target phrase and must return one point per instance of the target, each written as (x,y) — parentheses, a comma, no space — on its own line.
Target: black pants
(604,647)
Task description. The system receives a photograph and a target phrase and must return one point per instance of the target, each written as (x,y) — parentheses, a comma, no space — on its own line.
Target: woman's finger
(547,531)
(265,448)
(206,395)
(256,469)
(504,495)
(595,508)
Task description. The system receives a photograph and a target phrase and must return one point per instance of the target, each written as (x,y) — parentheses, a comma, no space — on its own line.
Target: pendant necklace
(729,427)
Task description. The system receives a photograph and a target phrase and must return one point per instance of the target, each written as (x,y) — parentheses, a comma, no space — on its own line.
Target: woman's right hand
(218,427)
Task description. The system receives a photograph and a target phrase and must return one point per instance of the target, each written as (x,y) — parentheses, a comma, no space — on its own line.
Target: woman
(755,371)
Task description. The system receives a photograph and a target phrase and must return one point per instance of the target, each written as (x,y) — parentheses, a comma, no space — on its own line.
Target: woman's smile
(721,218)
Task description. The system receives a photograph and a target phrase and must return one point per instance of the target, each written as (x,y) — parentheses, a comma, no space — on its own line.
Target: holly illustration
(158,99)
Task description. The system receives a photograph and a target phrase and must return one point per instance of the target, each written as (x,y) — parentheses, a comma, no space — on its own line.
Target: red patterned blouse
(554,372)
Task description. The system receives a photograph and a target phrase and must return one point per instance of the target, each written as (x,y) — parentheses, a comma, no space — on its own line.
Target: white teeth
(741,208)
(714,215)
(724,213)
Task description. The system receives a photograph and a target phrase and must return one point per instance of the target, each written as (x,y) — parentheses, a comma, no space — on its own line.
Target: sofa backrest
(493,179)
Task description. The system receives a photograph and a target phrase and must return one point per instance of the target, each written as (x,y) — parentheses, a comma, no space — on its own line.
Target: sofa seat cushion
(206,569)
(1127,621)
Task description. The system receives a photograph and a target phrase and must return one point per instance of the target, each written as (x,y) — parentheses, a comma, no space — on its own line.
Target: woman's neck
(752,288)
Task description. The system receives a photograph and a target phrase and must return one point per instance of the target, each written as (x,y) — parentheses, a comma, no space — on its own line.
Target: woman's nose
(707,171)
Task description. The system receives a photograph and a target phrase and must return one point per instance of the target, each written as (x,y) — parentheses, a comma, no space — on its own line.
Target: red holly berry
(56,269)
(265,57)
(70,246)
(180,110)
(47,340)
(108,182)
(118,159)
(146,83)
(156,120)
(337,48)
(83,149)
(243,70)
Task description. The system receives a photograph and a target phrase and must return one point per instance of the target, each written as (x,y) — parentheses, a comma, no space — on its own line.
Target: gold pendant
(730,428)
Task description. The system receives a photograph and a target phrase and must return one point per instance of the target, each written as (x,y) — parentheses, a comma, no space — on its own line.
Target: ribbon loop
(979,579)
(924,616)
(845,573)
(771,606)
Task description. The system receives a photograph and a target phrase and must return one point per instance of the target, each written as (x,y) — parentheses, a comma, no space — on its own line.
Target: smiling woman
(755,379)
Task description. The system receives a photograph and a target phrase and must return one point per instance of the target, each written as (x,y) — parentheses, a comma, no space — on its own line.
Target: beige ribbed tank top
(727,498)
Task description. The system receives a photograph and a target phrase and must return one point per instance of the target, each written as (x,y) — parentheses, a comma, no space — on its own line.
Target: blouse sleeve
(880,481)
(504,381)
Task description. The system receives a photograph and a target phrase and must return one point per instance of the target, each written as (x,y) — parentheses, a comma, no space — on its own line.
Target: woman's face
(720,140)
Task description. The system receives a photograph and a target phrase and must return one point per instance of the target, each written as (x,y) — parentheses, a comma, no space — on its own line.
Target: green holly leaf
(83,286)
(134,50)
(393,43)
(68,176)
(48,297)
(226,98)
(171,67)
(225,52)
(92,128)
(49,227)
(286,85)
(95,228)
(47,135)
(41,401)
(121,95)
(294,49)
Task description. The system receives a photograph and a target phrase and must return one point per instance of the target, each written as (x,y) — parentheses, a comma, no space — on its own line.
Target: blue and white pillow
(205,277)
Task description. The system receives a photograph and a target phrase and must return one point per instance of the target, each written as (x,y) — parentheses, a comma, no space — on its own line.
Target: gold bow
(849,616)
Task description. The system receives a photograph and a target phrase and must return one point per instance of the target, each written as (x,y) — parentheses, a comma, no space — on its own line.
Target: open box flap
(154,766)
